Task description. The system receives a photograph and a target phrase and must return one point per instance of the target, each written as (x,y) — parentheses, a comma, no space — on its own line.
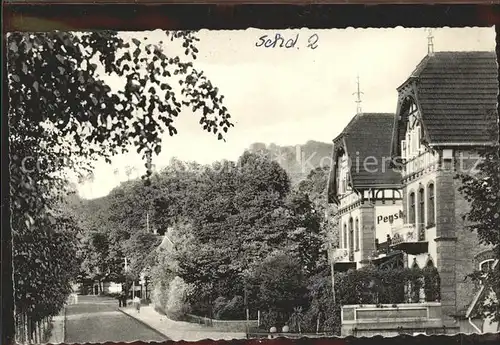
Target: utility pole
(358,98)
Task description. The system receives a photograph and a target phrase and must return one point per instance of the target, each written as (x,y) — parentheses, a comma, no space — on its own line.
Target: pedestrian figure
(119,300)
(137,302)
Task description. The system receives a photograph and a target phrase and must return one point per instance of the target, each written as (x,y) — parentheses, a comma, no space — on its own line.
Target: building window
(411,212)
(351,240)
(431,221)
(421,206)
(351,235)
(486,265)
(357,234)
(345,236)
(403,149)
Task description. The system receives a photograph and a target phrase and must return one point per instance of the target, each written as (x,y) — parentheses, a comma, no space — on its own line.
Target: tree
(63,116)
(321,309)
(315,187)
(304,236)
(482,191)
(222,219)
(41,292)
(49,71)
(141,249)
(177,304)
(278,286)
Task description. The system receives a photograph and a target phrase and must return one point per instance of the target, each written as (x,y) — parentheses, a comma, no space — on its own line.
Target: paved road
(98,320)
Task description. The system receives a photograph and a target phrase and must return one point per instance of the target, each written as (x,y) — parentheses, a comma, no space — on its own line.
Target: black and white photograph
(236,184)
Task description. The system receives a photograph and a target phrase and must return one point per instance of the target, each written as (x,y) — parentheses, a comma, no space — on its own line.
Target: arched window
(351,236)
(411,212)
(486,265)
(421,207)
(431,221)
(357,234)
(345,236)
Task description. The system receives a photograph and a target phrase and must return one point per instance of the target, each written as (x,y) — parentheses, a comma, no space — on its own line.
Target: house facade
(365,190)
(446,112)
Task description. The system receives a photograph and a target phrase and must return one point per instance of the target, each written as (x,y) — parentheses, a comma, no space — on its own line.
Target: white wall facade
(387,217)
(430,231)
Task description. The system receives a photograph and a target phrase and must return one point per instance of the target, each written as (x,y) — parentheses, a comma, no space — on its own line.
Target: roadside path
(178,330)
(98,320)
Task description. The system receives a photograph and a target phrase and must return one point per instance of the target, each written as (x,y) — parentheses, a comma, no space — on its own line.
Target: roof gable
(457,94)
(367,142)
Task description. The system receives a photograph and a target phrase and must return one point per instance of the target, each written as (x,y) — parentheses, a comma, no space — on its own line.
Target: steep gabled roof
(367,142)
(457,95)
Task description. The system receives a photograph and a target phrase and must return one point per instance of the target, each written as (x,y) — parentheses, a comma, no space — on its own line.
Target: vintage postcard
(189,185)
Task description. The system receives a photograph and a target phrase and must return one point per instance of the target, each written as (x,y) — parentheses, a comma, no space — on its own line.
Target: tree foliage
(279,283)
(64,110)
(64,115)
(51,249)
(482,191)
(220,220)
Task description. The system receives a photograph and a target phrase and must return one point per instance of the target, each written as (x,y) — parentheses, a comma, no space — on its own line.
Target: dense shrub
(177,306)
(321,305)
(365,286)
(372,286)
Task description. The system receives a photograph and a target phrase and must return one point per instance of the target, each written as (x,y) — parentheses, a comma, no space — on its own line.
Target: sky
(289,96)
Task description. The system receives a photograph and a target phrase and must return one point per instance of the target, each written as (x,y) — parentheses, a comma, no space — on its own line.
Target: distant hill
(297,160)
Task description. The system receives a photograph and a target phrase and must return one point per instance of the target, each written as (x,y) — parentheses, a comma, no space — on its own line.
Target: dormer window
(410,146)
(403,149)
(486,265)
(343,175)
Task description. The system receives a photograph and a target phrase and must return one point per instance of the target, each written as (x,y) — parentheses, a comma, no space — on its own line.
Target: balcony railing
(410,238)
(419,162)
(382,248)
(408,233)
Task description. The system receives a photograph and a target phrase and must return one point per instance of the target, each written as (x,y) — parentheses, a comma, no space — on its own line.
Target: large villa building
(394,184)
(366,189)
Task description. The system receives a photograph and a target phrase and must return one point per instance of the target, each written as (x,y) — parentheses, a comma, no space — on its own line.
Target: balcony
(382,248)
(384,253)
(341,259)
(410,238)
(419,162)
